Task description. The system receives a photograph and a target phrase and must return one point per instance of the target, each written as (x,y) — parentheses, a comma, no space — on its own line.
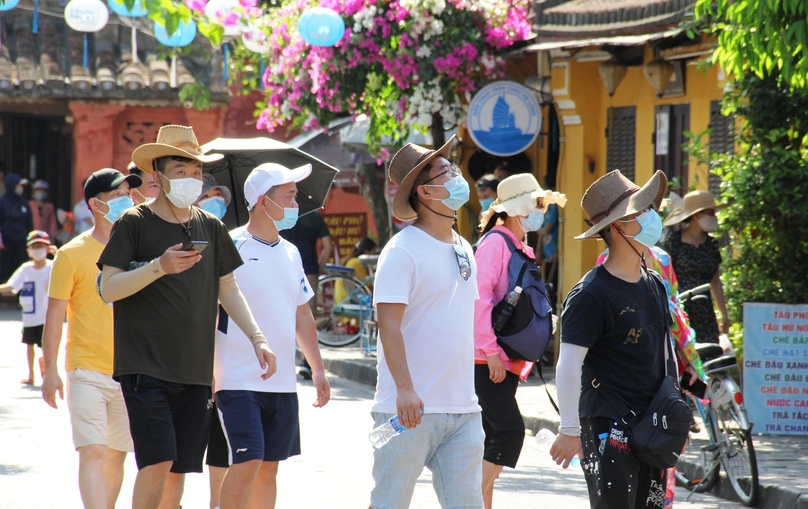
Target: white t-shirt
(438,324)
(32,286)
(274,285)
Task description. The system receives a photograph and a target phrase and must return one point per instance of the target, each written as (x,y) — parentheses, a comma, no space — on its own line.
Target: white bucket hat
(517,195)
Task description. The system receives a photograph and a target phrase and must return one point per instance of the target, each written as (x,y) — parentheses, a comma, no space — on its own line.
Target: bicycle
(724,418)
(338,316)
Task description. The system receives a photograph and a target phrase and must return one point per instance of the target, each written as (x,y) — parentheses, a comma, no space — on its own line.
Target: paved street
(38,466)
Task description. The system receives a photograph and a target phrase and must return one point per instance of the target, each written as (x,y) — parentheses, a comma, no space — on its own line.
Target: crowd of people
(213,367)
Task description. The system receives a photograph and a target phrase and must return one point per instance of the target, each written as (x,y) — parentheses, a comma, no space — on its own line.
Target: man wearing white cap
(260,418)
(183,261)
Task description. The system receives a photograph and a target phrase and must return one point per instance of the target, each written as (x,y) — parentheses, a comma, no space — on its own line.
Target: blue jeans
(450,445)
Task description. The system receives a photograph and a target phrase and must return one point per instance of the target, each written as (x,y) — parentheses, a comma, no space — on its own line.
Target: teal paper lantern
(8,5)
(183,36)
(119,8)
(320,26)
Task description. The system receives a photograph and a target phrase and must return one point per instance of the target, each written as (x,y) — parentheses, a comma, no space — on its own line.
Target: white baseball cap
(268,175)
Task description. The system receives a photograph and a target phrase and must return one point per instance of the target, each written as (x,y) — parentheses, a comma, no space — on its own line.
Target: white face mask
(39,253)
(708,223)
(184,192)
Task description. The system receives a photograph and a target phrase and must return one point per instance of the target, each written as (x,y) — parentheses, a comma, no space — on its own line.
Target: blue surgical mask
(486,203)
(117,206)
(289,217)
(650,228)
(533,221)
(40,195)
(215,205)
(459,192)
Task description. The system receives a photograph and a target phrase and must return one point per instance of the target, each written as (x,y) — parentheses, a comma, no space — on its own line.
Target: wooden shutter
(621,140)
(670,124)
(722,139)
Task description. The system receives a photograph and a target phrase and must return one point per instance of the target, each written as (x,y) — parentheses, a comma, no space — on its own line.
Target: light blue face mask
(459,192)
(650,228)
(117,206)
(215,205)
(533,221)
(289,217)
(486,203)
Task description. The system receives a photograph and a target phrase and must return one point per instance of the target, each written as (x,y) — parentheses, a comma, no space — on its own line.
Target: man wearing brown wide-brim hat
(613,329)
(426,285)
(173,263)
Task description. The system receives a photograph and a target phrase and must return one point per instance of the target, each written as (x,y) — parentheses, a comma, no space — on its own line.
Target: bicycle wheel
(735,440)
(337,316)
(702,478)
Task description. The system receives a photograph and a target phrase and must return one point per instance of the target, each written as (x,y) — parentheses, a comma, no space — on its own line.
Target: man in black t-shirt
(613,328)
(172,263)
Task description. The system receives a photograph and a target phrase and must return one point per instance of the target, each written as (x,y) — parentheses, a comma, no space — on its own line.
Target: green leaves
(766,188)
(760,36)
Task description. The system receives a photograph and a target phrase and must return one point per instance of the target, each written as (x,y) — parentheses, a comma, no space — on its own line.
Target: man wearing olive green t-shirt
(97,410)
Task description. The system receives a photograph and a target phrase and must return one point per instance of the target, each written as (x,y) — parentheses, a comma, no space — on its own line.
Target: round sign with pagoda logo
(504,118)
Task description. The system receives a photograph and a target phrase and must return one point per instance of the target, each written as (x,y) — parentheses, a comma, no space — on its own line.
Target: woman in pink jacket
(518,209)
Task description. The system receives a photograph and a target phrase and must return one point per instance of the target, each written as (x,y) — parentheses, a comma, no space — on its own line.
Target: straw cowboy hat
(172,140)
(517,195)
(613,196)
(693,203)
(405,167)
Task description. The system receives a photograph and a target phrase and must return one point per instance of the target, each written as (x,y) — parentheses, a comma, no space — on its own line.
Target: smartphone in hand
(196,245)
(694,386)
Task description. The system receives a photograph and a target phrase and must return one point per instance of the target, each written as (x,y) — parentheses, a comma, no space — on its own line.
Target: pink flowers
(196,5)
(399,61)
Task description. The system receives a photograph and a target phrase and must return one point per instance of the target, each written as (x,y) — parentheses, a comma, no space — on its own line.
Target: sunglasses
(463,262)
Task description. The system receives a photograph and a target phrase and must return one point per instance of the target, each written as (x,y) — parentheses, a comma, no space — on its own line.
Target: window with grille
(621,140)
(722,139)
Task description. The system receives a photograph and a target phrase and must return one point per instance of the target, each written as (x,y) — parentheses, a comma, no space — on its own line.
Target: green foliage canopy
(765,37)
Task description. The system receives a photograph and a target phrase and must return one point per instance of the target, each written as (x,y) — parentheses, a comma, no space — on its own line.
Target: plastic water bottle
(603,437)
(382,434)
(545,439)
(504,315)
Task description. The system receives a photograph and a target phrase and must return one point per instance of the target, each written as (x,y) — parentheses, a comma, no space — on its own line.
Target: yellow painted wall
(580,82)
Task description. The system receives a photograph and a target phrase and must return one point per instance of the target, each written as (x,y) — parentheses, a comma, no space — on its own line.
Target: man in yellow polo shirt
(97,410)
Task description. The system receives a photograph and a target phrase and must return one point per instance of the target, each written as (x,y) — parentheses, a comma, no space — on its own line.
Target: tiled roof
(593,18)
(50,63)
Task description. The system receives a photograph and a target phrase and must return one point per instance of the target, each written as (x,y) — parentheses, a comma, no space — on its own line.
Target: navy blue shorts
(259,425)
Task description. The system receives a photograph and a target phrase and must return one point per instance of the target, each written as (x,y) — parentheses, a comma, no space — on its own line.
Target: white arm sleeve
(568,387)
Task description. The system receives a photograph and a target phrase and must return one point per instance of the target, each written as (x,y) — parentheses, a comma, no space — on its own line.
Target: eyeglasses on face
(463,262)
(450,171)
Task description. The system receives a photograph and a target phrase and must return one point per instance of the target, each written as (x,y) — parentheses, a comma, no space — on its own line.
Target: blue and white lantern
(86,16)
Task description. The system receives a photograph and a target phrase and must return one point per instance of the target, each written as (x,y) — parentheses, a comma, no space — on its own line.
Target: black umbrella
(242,155)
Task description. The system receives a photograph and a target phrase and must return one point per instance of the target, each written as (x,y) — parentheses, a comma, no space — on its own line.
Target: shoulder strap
(511,246)
(552,401)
